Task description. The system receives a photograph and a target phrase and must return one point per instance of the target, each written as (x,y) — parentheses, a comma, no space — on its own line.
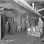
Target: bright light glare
(29,29)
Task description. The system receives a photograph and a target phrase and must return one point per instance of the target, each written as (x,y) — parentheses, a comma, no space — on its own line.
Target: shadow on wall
(3,21)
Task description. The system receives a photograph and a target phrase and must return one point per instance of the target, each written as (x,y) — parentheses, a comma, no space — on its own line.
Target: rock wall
(0,26)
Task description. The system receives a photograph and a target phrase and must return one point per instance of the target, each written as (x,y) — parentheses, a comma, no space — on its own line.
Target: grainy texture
(22,38)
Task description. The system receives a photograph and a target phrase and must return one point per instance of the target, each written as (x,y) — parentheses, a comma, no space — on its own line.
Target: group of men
(14,26)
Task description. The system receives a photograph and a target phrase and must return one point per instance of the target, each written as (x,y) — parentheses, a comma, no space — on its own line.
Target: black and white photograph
(21,21)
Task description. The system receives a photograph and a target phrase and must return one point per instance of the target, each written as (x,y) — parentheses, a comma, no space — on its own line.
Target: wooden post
(33,5)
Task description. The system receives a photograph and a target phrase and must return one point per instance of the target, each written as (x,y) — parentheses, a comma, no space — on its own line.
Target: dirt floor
(21,38)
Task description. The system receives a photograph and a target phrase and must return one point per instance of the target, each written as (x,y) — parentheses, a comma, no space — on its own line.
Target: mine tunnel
(18,23)
(21,24)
